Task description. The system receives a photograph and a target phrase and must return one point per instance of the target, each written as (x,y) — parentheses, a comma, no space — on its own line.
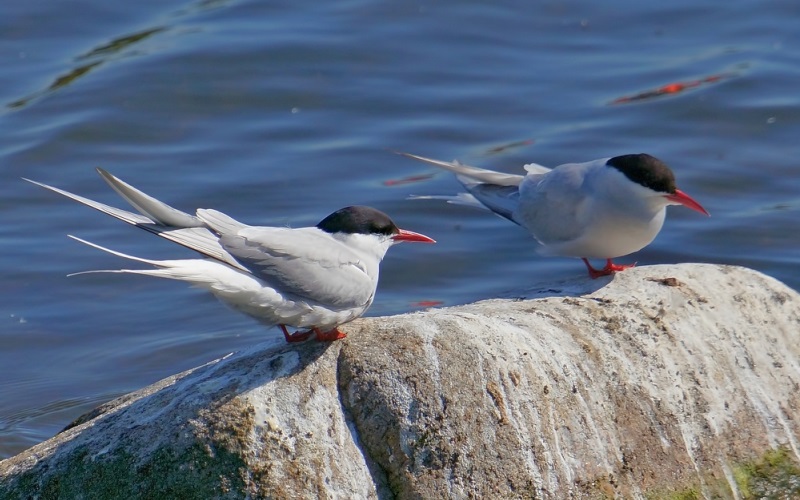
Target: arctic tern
(315,278)
(600,209)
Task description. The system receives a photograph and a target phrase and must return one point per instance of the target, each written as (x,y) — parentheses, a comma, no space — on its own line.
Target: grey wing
(554,207)
(306,263)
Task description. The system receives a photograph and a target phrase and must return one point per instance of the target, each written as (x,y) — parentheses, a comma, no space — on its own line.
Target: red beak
(404,235)
(687,201)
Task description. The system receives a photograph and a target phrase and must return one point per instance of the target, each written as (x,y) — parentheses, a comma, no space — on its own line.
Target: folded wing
(306,262)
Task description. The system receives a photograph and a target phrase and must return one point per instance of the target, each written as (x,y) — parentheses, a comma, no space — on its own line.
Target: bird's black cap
(646,170)
(358,220)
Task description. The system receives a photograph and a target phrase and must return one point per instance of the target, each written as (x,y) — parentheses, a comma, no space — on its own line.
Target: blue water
(281,112)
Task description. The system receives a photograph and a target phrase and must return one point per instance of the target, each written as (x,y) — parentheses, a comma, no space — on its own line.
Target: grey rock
(659,379)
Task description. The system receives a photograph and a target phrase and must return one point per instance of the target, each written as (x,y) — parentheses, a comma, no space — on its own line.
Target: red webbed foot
(296,336)
(610,266)
(609,269)
(330,335)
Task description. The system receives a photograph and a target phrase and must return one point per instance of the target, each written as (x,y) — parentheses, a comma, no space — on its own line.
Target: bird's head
(369,228)
(655,177)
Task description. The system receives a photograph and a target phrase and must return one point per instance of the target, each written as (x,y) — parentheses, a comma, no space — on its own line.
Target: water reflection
(103,52)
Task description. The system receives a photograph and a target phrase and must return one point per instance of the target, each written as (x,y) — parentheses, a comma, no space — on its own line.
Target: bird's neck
(366,246)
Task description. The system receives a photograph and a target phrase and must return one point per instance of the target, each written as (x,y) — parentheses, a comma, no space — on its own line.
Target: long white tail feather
(156,210)
(173,273)
(114,252)
(495,191)
(159,273)
(535,168)
(199,272)
(464,199)
(123,215)
(473,173)
(199,239)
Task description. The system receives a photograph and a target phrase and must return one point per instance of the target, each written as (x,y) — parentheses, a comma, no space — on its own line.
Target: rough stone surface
(661,379)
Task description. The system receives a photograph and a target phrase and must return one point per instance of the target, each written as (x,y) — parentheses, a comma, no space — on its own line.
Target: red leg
(331,335)
(296,336)
(595,273)
(610,268)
